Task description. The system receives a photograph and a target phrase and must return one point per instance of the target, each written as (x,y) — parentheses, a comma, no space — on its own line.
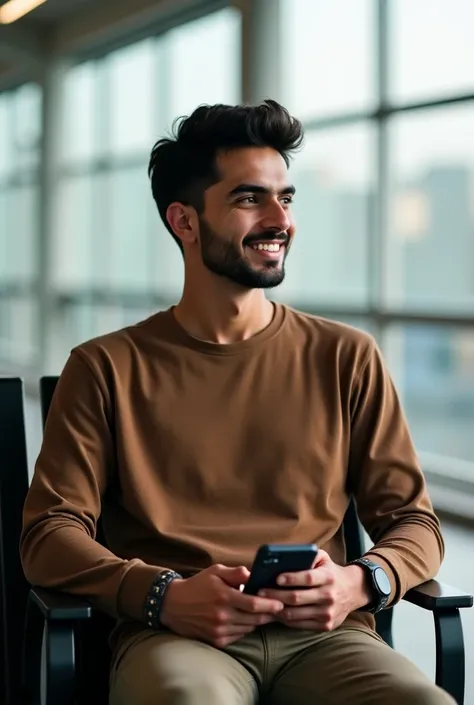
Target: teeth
(272,247)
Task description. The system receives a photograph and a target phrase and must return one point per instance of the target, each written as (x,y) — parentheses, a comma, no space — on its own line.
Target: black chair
(75,659)
(14,588)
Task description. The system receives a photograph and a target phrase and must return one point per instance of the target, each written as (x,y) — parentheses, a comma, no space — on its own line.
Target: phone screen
(273,559)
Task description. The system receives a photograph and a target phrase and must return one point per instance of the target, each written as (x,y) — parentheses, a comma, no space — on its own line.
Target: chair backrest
(47,388)
(93,653)
(353,533)
(13,488)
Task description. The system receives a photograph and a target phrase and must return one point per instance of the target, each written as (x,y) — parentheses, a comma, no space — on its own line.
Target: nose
(276,217)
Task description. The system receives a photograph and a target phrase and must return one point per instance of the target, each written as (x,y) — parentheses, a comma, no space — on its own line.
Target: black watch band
(154,598)
(379,583)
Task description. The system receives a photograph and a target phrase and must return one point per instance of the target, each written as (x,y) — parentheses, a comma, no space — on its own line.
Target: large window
(334,179)
(109,243)
(385,198)
(431,216)
(434,369)
(329,57)
(20,133)
(431,49)
(385,187)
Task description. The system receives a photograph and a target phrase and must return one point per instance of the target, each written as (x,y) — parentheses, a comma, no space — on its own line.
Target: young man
(221,424)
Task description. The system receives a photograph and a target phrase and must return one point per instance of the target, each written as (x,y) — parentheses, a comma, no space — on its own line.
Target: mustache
(267,237)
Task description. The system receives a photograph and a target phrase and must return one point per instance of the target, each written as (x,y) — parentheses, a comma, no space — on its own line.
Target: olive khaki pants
(273,665)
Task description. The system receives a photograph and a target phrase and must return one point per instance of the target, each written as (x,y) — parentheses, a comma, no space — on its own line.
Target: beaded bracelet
(154,599)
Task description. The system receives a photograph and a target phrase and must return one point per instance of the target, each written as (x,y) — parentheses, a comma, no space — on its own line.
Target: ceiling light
(14,9)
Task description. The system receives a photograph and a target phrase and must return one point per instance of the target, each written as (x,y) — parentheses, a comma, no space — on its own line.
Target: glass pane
(433,368)
(167,261)
(21,233)
(5,135)
(334,189)
(4,328)
(131,208)
(82,321)
(91,320)
(132,94)
(328,50)
(204,59)
(18,330)
(72,325)
(432,49)
(80,113)
(75,234)
(4,265)
(23,330)
(431,220)
(26,108)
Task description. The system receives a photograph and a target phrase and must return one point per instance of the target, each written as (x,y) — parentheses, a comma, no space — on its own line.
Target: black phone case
(272,560)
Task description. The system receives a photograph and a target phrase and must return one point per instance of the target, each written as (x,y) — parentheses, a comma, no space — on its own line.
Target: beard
(226,260)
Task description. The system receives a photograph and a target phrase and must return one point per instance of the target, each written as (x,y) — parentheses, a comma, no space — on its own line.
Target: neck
(221,312)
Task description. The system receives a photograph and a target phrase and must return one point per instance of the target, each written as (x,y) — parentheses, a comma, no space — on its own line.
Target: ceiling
(78,28)
(53,11)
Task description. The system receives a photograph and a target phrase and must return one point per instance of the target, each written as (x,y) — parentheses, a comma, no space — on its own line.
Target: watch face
(382,581)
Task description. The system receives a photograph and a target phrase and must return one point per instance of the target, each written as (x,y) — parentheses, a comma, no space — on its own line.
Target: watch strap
(379,599)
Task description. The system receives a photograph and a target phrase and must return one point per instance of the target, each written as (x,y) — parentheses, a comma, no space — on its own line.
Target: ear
(181,221)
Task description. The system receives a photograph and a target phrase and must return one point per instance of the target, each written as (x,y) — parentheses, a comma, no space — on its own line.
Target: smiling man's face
(247,227)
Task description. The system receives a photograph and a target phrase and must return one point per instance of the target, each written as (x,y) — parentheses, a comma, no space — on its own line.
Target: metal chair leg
(450,656)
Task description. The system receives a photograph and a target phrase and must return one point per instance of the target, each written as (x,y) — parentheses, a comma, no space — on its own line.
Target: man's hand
(331,593)
(210,606)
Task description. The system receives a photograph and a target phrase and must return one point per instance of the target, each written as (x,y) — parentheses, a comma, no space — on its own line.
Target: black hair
(183,166)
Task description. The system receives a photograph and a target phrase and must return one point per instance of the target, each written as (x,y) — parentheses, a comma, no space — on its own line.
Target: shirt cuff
(134,589)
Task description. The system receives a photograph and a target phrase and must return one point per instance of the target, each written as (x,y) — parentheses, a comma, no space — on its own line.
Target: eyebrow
(256,188)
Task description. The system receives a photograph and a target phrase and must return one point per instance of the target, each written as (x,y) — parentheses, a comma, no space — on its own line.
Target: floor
(413,627)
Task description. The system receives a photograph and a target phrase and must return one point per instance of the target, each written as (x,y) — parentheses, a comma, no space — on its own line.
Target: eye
(247,200)
(287,200)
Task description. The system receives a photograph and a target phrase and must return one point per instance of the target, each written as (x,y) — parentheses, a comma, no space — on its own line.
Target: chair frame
(60,623)
(14,589)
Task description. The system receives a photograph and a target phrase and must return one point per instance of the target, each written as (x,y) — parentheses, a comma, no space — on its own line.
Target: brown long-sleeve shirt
(196,453)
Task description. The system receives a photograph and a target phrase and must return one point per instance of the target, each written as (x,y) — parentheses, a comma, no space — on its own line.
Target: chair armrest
(433,596)
(49,648)
(57,606)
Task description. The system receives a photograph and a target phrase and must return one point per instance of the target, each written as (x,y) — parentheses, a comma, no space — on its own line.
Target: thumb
(233,576)
(321,559)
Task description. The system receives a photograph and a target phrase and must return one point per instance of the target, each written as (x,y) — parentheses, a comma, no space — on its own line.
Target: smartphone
(273,559)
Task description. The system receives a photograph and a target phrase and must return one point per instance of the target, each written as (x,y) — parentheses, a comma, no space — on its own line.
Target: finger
(236,630)
(255,620)
(300,614)
(254,604)
(316,577)
(295,597)
(322,558)
(232,576)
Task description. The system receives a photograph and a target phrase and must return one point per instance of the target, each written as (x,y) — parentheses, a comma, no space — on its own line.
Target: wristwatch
(379,583)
